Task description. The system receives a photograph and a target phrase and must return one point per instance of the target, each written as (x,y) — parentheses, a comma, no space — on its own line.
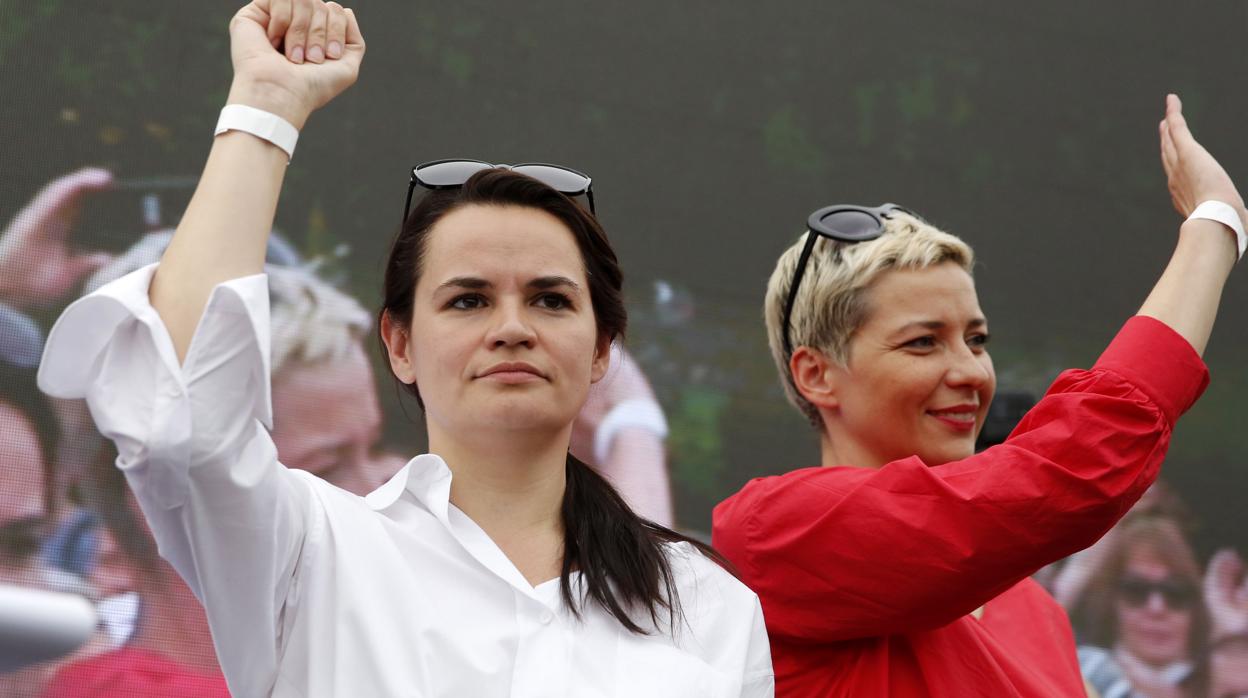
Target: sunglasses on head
(844,223)
(449,174)
(1136,592)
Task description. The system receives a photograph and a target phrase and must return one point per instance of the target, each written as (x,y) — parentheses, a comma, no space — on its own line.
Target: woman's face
(918,379)
(503,334)
(327,419)
(1154,609)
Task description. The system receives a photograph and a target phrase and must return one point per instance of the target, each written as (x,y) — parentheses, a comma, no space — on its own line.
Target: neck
(173,623)
(511,484)
(838,450)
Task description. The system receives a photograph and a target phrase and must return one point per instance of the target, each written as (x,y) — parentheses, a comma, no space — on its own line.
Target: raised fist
(292,57)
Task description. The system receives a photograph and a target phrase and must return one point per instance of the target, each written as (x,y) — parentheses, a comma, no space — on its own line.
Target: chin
(947,453)
(521,415)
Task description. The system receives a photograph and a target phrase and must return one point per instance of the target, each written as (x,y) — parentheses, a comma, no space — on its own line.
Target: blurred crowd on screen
(1151,618)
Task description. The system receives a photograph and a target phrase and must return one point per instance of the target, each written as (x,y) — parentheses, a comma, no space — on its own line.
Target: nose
(1156,602)
(969,368)
(510,327)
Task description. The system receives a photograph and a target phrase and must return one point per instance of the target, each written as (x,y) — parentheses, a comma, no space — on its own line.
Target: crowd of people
(199,452)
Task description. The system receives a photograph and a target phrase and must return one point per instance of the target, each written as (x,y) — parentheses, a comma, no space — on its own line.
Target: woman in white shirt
(495,565)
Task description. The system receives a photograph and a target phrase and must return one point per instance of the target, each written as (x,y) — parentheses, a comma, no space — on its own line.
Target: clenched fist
(292,57)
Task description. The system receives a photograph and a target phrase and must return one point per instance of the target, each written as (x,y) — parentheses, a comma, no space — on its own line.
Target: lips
(958,417)
(512,372)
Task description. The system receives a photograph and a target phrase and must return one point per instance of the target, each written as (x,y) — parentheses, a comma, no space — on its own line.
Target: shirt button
(546,618)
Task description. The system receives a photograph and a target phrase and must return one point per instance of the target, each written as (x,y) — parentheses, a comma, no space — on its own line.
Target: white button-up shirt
(313,591)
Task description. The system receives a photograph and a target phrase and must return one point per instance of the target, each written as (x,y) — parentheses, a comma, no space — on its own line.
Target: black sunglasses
(1136,591)
(842,222)
(448,174)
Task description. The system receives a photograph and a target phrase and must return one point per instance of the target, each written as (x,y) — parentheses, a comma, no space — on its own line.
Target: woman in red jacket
(900,567)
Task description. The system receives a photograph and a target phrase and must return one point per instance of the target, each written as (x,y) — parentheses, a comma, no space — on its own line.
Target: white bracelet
(259,123)
(1226,215)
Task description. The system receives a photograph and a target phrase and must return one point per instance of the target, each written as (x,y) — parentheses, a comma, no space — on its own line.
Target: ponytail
(621,557)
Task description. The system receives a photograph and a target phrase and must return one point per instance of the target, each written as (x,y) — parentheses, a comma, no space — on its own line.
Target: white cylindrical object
(37,625)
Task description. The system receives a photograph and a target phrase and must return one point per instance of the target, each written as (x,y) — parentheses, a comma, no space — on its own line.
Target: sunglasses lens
(1137,592)
(557,178)
(449,174)
(851,225)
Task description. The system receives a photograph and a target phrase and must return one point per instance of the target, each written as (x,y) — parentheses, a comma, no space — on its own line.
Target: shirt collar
(427,477)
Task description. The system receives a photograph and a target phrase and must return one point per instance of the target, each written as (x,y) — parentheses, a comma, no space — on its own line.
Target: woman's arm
(223,233)
(620,432)
(1187,294)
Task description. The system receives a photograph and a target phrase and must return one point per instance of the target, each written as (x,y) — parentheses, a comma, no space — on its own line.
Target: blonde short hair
(310,319)
(831,300)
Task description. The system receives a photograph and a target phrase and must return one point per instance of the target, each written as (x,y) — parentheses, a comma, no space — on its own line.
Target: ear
(816,377)
(602,360)
(398,347)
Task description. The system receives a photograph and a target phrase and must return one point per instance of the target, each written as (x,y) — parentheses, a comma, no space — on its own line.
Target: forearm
(1187,294)
(637,466)
(223,233)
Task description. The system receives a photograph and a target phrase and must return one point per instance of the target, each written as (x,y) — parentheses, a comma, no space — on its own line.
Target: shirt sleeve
(192,443)
(843,553)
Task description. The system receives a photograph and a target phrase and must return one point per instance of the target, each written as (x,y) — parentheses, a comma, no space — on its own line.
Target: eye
(925,342)
(553,301)
(978,341)
(468,301)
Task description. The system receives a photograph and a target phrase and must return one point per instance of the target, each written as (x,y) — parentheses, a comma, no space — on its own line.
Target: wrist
(1227,217)
(271,98)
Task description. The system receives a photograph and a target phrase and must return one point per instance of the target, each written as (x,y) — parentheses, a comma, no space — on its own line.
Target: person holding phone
(900,566)
(496,564)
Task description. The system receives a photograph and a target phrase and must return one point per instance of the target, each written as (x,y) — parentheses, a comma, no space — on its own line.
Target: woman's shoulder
(706,579)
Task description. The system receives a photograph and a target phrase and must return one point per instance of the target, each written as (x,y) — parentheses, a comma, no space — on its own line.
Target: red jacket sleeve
(842,553)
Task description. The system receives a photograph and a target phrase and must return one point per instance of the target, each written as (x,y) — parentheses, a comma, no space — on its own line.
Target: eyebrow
(475,283)
(937,325)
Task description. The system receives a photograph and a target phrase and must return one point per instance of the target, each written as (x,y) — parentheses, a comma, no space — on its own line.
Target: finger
(335,30)
(316,34)
(297,33)
(279,21)
(1174,117)
(354,38)
(1166,149)
(60,197)
(1170,154)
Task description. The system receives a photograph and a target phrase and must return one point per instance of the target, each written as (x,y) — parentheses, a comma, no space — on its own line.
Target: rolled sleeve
(1158,361)
(193,443)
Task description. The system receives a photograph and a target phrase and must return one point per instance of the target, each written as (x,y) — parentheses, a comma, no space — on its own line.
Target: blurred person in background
(166,649)
(29,436)
(1142,621)
(1226,593)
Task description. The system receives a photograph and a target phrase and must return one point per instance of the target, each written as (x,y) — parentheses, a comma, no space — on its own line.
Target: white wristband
(259,123)
(636,413)
(1226,215)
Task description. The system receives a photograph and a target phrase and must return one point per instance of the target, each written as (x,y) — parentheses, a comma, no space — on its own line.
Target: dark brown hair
(621,556)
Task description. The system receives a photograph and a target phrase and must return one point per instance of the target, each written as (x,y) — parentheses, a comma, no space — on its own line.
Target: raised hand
(36,262)
(1193,175)
(292,57)
(1226,593)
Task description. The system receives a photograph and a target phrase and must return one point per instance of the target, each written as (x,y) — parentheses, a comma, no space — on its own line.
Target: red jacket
(867,576)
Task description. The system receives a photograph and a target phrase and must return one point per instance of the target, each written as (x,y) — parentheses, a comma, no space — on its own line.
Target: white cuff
(642,414)
(259,123)
(1226,215)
